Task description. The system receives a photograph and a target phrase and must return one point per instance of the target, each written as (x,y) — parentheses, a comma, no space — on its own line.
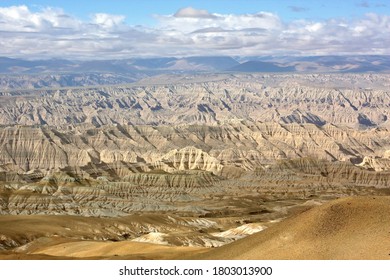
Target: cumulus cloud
(19,18)
(107,20)
(231,22)
(190,12)
(51,32)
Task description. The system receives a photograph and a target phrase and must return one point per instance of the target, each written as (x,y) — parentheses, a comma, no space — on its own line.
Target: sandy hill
(346,228)
(116,250)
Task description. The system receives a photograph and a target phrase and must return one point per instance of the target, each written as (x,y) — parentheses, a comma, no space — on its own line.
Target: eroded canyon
(186,162)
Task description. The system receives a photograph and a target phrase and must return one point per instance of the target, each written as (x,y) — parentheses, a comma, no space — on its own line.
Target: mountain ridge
(363,63)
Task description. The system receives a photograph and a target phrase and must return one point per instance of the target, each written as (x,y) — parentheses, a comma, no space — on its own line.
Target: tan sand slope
(346,228)
(120,250)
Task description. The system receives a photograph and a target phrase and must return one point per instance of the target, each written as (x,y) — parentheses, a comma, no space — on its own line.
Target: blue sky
(142,11)
(116,29)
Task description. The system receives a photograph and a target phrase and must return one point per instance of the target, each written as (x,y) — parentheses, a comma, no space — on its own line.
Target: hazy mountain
(54,73)
(331,63)
(259,66)
(374,63)
(152,63)
(216,62)
(17,66)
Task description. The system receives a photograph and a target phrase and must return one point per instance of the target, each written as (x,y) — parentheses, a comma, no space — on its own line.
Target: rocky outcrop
(190,158)
(377,164)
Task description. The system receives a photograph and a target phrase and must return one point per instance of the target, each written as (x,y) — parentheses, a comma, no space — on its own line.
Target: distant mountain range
(260,66)
(150,66)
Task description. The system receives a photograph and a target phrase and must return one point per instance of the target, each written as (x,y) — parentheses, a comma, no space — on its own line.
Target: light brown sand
(121,250)
(346,228)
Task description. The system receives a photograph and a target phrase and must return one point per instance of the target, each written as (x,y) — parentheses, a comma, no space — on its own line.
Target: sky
(40,29)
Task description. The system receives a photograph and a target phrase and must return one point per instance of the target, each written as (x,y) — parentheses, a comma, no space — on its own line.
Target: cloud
(52,32)
(297,9)
(190,12)
(227,22)
(107,20)
(19,18)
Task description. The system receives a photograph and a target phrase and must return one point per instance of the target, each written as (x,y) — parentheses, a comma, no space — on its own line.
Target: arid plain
(198,166)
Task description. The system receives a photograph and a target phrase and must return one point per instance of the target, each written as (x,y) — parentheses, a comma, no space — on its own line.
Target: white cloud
(108,21)
(20,18)
(53,33)
(190,12)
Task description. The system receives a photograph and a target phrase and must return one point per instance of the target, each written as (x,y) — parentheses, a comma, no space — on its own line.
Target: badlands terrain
(189,165)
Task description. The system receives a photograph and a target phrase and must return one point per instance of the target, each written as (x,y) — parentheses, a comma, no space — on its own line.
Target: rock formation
(356,101)
(235,152)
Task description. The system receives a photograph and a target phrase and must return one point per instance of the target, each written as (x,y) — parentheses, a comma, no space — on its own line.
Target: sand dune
(346,228)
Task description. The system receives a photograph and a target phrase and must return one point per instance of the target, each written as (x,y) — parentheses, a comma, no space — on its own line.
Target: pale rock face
(386,154)
(245,145)
(190,158)
(153,237)
(241,231)
(109,156)
(377,164)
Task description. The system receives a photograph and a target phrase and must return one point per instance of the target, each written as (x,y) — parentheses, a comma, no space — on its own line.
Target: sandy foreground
(345,228)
